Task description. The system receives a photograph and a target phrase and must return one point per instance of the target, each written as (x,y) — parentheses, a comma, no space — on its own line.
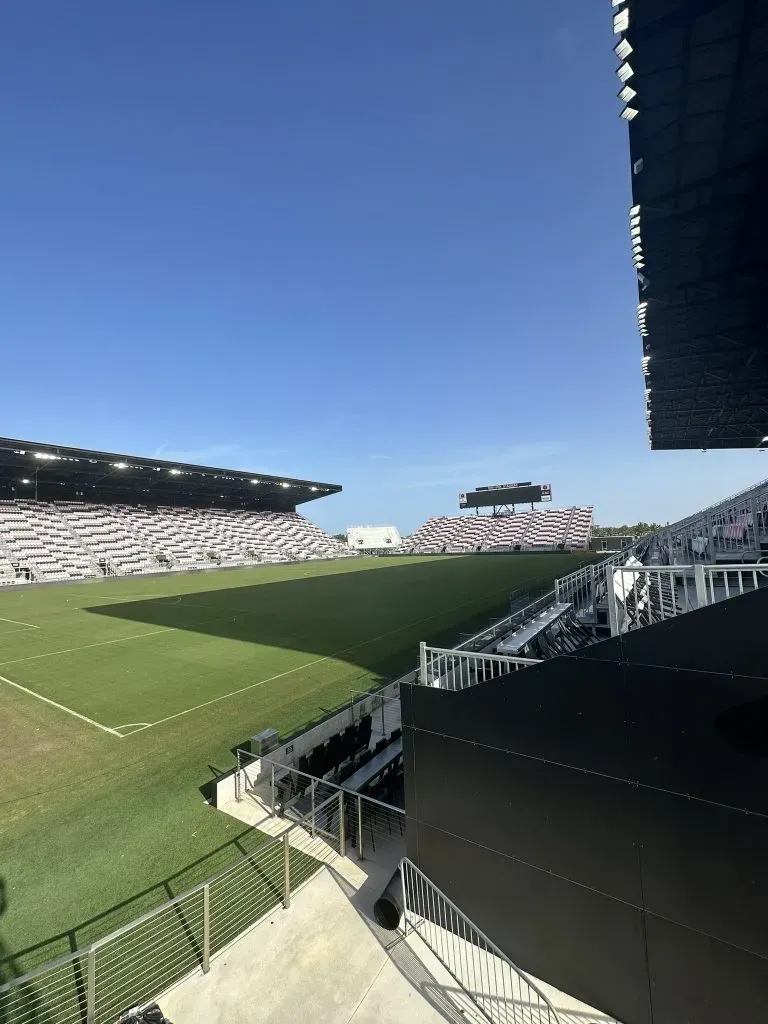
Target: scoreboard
(505,494)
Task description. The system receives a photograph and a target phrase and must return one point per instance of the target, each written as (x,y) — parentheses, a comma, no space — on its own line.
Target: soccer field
(121,700)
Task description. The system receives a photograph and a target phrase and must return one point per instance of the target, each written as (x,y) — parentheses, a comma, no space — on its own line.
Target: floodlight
(25,481)
(624,71)
(629,113)
(621,21)
(627,94)
(622,49)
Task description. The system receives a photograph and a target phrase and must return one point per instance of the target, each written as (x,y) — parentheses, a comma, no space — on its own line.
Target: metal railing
(133,964)
(368,825)
(456,670)
(586,586)
(508,624)
(499,989)
(642,595)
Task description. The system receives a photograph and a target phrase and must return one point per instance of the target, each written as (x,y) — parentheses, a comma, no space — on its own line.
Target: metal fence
(502,993)
(586,586)
(508,624)
(640,595)
(132,965)
(448,669)
(366,825)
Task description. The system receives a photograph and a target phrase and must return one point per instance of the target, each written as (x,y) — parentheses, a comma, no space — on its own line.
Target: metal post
(312,791)
(405,897)
(613,611)
(359,826)
(91,993)
(206,928)
(237,778)
(383,728)
(286,872)
(701,585)
(272,789)
(342,836)
(423,663)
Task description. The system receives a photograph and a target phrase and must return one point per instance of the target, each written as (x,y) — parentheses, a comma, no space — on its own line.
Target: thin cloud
(225,456)
(477,467)
(381,458)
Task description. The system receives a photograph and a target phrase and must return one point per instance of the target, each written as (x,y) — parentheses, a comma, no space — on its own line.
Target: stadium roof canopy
(694,79)
(53,472)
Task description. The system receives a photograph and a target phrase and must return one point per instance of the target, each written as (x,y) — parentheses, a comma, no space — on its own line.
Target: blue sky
(377,243)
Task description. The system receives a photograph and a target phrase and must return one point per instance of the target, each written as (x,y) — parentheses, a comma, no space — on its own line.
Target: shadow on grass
(13,965)
(372,618)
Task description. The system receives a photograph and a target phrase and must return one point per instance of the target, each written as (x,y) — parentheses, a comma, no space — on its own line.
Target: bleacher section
(542,530)
(75,540)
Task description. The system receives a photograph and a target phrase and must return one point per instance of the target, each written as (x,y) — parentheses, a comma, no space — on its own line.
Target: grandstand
(540,530)
(68,513)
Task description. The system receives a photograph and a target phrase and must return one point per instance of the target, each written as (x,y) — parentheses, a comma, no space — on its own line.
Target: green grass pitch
(120,700)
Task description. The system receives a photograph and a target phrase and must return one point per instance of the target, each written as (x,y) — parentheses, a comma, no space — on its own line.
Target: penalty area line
(61,707)
(18,622)
(299,668)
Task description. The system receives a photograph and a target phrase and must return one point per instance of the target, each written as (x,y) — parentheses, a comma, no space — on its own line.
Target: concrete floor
(327,961)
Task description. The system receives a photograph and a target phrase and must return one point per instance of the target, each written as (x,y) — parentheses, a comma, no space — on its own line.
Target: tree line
(631,530)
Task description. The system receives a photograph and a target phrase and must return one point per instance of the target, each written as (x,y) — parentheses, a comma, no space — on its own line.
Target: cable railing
(498,989)
(447,669)
(134,964)
(641,595)
(363,823)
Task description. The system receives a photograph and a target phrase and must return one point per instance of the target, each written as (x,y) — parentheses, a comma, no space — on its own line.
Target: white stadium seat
(541,530)
(76,540)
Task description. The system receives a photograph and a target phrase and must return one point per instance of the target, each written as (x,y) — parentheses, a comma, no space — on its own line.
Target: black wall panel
(598,944)
(604,817)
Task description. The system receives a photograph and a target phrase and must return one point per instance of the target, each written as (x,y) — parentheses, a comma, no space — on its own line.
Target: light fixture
(313,488)
(625,71)
(621,21)
(120,465)
(637,245)
(284,484)
(634,231)
(634,210)
(622,49)
(615,3)
(629,113)
(627,94)
(25,481)
(175,472)
(254,481)
(642,305)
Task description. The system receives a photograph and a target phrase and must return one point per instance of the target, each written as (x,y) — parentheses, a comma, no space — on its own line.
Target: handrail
(408,868)
(84,951)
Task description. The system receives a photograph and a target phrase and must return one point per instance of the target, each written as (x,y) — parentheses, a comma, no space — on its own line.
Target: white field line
(140,726)
(18,622)
(61,707)
(84,647)
(299,668)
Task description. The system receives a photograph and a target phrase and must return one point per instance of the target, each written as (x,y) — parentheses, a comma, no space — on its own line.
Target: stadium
(497,770)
